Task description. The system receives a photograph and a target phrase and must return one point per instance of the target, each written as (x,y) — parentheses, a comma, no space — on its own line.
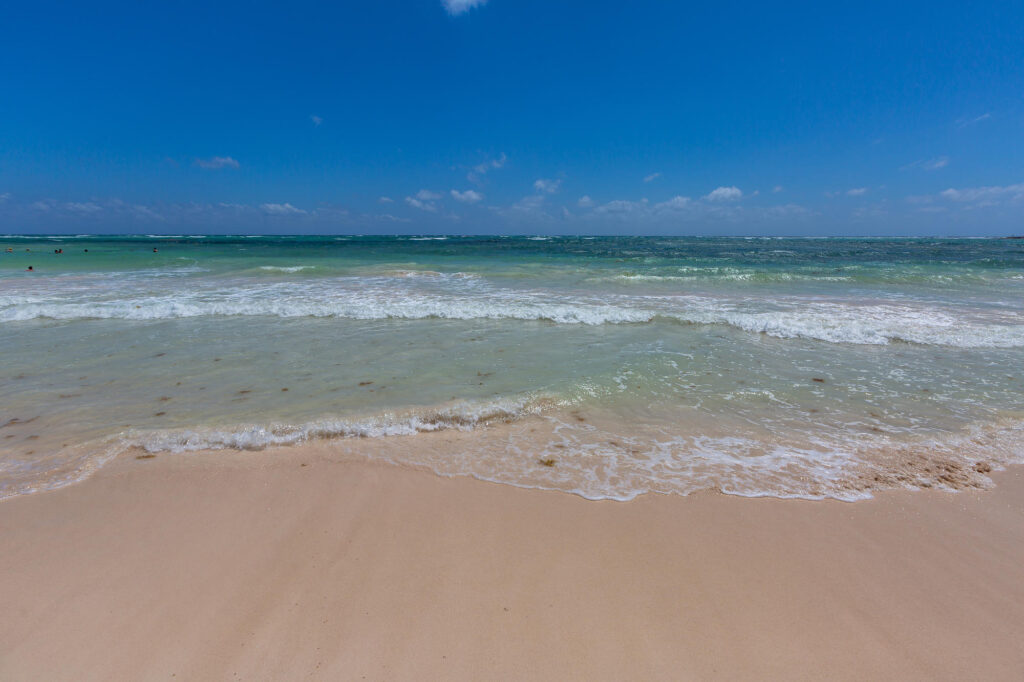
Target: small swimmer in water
(29,269)
(154,250)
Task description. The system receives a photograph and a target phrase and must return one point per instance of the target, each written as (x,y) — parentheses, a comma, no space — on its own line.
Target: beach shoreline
(290,563)
(788,367)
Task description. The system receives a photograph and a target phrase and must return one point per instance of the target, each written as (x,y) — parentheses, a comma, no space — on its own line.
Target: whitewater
(605,367)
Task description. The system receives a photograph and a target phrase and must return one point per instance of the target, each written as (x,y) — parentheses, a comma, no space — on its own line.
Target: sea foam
(831,321)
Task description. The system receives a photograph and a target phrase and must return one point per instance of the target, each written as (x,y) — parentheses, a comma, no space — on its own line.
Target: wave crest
(460,416)
(830,321)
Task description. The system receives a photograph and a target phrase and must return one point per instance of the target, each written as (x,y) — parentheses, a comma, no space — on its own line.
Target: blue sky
(513,116)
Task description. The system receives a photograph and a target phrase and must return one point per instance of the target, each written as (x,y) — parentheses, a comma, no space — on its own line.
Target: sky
(512,116)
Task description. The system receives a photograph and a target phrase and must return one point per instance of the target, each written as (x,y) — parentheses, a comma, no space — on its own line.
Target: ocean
(604,367)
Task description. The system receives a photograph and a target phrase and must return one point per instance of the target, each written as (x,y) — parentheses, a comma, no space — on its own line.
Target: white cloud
(681,209)
(621,206)
(281,209)
(467,197)
(457,7)
(388,218)
(478,171)
(547,186)
(857,192)
(424,200)
(316,120)
(985,195)
(421,205)
(674,204)
(532,202)
(145,212)
(4,197)
(871,212)
(776,189)
(928,164)
(724,194)
(493,163)
(669,214)
(117,212)
(652,177)
(964,122)
(85,208)
(385,200)
(217,162)
(639,209)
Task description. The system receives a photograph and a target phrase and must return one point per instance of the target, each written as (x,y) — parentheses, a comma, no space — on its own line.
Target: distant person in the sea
(154,249)
(29,269)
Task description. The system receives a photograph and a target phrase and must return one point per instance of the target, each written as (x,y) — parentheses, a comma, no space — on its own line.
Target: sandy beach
(288,564)
(475,340)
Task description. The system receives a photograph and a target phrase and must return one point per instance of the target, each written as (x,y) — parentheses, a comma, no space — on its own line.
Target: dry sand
(288,565)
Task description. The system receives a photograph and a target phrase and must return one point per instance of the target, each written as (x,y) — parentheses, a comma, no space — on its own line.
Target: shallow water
(608,367)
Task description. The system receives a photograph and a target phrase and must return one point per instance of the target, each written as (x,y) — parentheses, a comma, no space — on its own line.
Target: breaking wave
(531,443)
(460,416)
(831,321)
(287,268)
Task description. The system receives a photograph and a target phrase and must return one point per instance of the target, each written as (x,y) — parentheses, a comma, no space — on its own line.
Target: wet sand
(290,564)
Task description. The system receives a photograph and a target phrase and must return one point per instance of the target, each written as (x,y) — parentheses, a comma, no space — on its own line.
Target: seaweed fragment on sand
(546,461)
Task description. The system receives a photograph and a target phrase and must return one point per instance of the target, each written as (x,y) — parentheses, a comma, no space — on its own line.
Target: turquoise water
(607,367)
